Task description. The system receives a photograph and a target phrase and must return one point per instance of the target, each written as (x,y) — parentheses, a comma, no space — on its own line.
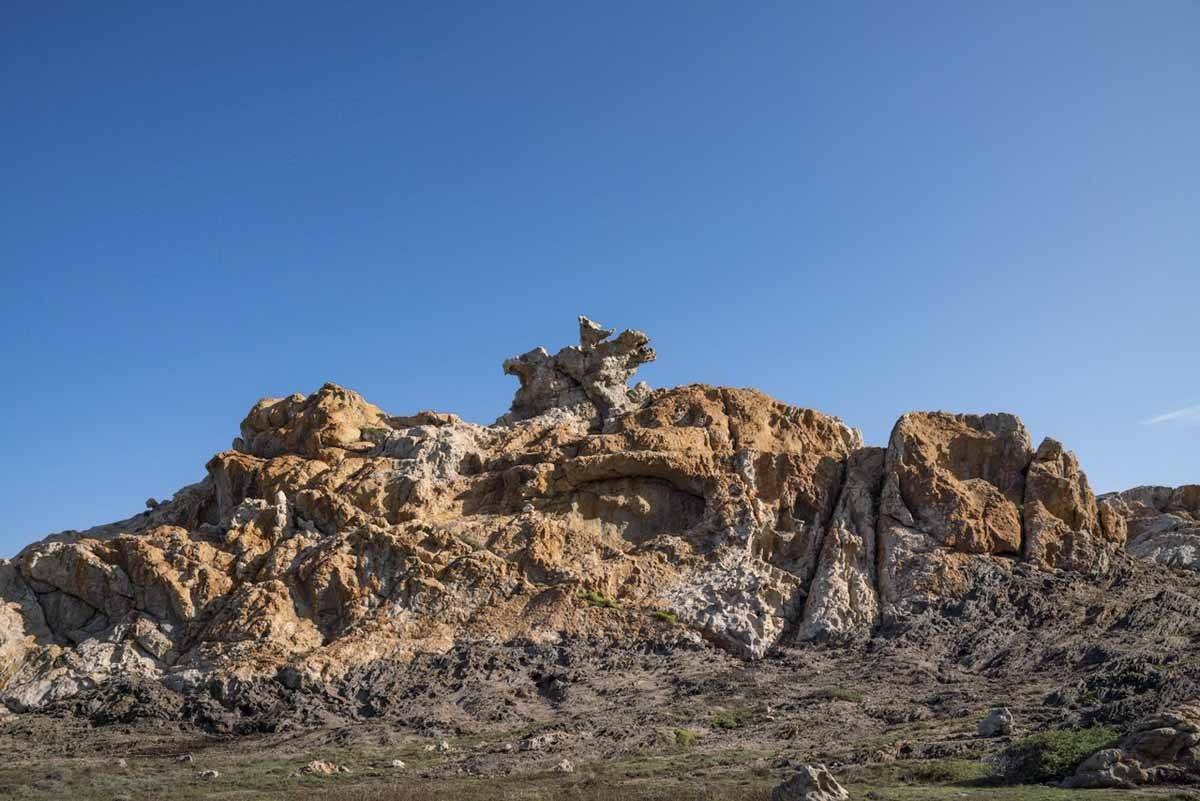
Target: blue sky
(859,207)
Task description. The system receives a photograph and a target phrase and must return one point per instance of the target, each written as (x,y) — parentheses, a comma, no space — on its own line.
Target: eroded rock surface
(1157,751)
(334,536)
(1162,523)
(810,783)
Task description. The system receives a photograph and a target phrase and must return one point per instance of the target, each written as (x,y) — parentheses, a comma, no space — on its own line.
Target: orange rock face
(333,534)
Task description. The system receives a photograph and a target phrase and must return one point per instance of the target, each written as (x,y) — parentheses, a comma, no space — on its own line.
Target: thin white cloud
(1187,413)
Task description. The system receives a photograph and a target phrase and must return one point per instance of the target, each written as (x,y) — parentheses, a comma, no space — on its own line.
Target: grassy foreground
(683,775)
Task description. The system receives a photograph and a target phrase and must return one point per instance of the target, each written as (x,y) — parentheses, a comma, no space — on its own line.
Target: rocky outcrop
(844,600)
(591,378)
(1162,524)
(1062,520)
(333,535)
(1157,751)
(952,489)
(810,783)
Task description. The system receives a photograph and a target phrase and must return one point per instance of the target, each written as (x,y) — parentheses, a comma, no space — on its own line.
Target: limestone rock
(334,536)
(1162,523)
(952,488)
(1062,520)
(843,601)
(998,723)
(1157,751)
(591,378)
(810,783)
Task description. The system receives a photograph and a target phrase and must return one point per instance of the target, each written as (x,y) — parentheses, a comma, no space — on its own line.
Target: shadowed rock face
(334,535)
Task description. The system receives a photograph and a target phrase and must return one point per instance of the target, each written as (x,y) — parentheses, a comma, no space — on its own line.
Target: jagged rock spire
(591,378)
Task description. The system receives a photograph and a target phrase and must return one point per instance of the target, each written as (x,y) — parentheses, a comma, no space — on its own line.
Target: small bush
(374,434)
(598,599)
(1051,755)
(685,738)
(667,615)
(733,718)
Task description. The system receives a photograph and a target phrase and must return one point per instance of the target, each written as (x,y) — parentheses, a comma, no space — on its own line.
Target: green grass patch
(840,694)
(1052,755)
(667,615)
(734,718)
(685,738)
(598,599)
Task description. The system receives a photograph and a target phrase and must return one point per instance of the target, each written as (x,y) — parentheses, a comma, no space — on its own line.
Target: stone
(208,774)
(397,764)
(1158,750)
(1062,520)
(538,742)
(591,378)
(1162,524)
(998,723)
(335,536)
(843,601)
(810,783)
(565,766)
(184,758)
(953,485)
(320,768)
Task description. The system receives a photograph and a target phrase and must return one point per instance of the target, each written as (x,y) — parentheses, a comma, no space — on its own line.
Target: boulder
(998,723)
(1159,750)
(810,783)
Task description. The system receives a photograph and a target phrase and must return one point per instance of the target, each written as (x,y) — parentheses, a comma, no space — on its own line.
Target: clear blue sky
(858,207)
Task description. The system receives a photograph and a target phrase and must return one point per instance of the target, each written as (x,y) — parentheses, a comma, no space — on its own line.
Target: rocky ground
(896,713)
(608,592)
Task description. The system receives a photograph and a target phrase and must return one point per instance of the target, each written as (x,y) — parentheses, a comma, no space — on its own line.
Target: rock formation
(333,535)
(1157,751)
(1161,524)
(810,783)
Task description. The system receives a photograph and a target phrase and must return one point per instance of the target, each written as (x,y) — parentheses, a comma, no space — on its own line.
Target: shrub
(598,599)
(374,434)
(667,615)
(1051,755)
(732,718)
(685,738)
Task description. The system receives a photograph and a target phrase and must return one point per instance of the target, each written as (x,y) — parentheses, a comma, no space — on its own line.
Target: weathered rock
(998,723)
(1157,751)
(843,601)
(810,783)
(591,378)
(1062,521)
(952,489)
(208,774)
(334,536)
(1162,523)
(321,768)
